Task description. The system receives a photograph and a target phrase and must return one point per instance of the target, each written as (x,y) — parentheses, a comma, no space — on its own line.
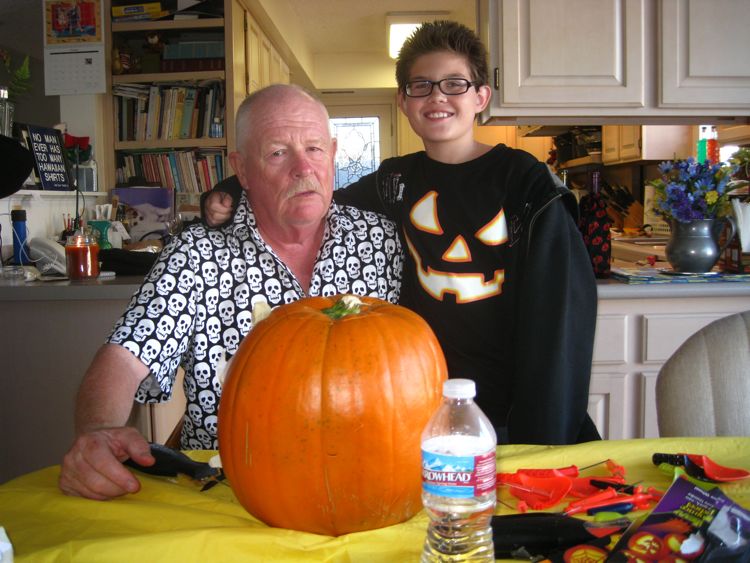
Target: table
(171,520)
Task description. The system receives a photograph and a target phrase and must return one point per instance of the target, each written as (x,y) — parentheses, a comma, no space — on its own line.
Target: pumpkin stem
(346,305)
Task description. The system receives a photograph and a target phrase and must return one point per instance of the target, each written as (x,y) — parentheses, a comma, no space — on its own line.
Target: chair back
(704,387)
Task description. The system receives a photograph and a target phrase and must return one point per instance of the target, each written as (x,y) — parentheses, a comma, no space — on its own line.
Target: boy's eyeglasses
(448,86)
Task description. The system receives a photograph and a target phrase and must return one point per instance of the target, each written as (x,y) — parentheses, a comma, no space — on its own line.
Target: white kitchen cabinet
(616,61)
(630,143)
(569,53)
(704,53)
(634,337)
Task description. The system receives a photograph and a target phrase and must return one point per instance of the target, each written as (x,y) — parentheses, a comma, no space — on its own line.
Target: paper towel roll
(742,214)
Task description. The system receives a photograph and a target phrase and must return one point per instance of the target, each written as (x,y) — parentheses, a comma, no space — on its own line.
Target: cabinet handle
(497,78)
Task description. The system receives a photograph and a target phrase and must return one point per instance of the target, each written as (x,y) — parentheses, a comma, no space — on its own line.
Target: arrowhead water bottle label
(458,476)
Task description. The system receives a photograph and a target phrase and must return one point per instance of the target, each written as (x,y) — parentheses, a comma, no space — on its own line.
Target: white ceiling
(333,26)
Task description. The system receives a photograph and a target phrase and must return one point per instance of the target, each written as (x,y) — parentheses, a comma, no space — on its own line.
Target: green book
(187,113)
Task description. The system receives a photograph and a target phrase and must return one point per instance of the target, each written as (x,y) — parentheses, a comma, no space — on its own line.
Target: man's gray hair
(244,113)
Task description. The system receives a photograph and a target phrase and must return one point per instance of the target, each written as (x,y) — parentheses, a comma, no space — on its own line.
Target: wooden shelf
(583,164)
(43,194)
(194,76)
(166,144)
(166,25)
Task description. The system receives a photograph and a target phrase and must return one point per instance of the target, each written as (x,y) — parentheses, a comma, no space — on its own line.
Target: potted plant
(13,84)
(694,199)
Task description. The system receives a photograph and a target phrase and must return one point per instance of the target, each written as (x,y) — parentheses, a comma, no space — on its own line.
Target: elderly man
(287,240)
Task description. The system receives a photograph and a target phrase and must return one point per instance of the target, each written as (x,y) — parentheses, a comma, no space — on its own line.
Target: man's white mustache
(304,185)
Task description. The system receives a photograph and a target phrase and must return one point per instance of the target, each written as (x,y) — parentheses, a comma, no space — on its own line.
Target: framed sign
(51,169)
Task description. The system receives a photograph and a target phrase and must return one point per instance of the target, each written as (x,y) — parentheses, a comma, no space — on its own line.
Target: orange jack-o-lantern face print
(466,286)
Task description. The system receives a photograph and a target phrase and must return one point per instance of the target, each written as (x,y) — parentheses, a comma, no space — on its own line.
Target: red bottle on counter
(82,256)
(712,147)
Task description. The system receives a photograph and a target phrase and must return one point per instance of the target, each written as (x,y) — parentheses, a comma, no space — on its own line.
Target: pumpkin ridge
(303,326)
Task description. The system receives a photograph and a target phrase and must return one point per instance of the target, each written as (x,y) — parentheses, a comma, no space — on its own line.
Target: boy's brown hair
(443,35)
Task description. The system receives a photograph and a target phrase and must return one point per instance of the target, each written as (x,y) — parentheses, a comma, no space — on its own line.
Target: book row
(161,112)
(185,171)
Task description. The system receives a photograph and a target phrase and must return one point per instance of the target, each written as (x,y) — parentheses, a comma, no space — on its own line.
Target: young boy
(494,263)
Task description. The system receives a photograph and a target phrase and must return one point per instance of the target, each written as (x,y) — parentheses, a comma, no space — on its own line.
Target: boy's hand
(218,208)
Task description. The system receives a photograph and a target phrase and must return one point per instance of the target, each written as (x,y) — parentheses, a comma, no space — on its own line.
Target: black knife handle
(169,462)
(671,459)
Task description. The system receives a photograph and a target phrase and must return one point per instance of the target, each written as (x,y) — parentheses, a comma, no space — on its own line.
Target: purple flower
(681,191)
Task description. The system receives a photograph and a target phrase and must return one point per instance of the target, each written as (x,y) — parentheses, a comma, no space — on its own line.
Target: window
(363,134)
(358,151)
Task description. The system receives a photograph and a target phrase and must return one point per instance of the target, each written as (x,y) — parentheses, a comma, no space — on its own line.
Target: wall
(34,107)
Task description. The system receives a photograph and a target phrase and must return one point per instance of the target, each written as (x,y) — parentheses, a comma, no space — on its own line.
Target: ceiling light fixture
(402,24)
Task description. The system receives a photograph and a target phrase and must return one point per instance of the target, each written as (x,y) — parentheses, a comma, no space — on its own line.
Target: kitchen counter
(123,287)
(615,289)
(120,287)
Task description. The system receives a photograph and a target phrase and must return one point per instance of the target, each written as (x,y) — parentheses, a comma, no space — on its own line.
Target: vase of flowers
(694,198)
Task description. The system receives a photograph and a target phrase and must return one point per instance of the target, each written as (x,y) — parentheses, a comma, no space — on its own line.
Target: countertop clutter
(171,519)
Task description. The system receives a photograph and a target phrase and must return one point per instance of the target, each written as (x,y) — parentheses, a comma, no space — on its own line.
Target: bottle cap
(17,214)
(459,389)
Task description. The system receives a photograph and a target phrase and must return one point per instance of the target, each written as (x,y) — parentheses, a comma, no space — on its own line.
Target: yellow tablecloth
(171,520)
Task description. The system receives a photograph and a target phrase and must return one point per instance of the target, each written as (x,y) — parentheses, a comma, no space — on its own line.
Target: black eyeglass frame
(439,84)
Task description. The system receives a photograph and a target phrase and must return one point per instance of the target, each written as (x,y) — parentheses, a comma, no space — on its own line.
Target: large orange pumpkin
(322,411)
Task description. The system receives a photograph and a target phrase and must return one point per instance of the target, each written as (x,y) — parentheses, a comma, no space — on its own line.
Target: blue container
(20,244)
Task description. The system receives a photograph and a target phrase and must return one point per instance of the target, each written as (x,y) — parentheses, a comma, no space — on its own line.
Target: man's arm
(93,468)
(556,321)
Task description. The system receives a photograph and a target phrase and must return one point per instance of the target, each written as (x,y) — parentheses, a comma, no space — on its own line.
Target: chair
(704,387)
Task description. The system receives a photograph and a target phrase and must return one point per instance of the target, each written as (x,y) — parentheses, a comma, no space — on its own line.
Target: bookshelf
(249,61)
(148,135)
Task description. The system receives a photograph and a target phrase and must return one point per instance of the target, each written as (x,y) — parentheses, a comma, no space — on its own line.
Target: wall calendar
(73,47)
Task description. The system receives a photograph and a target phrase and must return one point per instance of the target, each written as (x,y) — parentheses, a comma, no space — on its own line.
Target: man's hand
(218,208)
(93,467)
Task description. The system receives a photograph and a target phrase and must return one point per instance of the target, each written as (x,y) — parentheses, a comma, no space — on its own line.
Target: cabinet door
(630,142)
(704,47)
(607,404)
(253,53)
(610,144)
(276,73)
(569,53)
(265,61)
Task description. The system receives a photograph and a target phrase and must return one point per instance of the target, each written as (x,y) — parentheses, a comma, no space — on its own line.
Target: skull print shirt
(195,304)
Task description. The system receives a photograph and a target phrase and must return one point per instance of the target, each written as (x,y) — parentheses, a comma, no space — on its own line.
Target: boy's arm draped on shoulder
(219,205)
(556,320)
(362,194)
(382,190)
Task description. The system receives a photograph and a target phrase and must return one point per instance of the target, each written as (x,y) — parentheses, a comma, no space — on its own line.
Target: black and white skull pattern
(195,304)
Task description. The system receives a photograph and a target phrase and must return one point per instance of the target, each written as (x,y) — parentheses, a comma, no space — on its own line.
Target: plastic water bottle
(458,478)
